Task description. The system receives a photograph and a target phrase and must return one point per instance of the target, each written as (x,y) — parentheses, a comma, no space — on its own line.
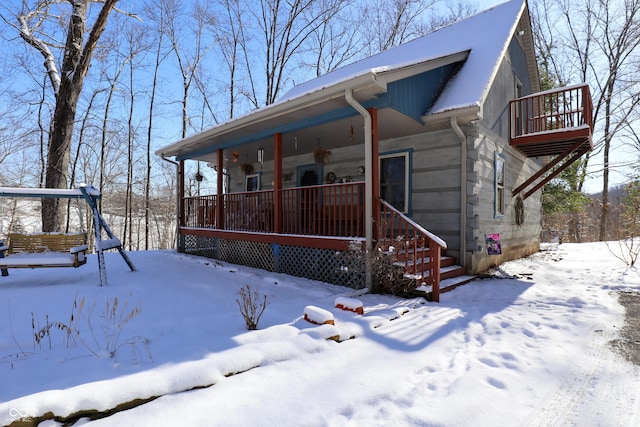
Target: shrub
(104,340)
(251,305)
(388,275)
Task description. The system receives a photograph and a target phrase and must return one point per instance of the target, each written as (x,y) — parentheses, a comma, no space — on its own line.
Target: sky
(620,156)
(529,344)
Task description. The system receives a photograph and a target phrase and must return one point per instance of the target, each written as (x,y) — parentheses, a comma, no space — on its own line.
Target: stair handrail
(416,240)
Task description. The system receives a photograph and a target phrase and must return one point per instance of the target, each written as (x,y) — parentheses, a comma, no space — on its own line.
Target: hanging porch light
(261,154)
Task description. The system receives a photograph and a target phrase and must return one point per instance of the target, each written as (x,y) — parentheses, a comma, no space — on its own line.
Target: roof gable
(414,95)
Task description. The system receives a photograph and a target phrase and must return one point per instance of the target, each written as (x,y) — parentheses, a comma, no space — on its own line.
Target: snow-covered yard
(529,346)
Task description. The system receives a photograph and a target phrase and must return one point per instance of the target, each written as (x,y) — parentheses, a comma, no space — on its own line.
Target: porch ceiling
(330,135)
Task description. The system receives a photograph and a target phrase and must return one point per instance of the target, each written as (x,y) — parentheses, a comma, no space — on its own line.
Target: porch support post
(181,218)
(277,183)
(180,204)
(220,191)
(368,186)
(375,172)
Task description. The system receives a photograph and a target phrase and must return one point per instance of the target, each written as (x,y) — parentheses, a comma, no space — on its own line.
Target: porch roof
(477,43)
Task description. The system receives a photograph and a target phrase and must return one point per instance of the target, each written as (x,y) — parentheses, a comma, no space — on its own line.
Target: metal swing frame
(91,195)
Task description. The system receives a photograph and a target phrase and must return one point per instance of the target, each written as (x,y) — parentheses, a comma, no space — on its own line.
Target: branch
(92,41)
(27,35)
(129,14)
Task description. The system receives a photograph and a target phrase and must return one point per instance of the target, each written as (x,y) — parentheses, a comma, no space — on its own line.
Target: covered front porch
(316,231)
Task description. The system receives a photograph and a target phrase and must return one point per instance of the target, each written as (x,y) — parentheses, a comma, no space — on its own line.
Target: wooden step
(445,261)
(451,283)
(446,285)
(452,271)
(448,272)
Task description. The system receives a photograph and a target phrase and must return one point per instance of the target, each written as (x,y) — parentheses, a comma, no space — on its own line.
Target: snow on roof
(486,35)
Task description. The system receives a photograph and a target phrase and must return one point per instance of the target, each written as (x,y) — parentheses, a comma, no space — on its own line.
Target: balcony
(552,123)
(557,124)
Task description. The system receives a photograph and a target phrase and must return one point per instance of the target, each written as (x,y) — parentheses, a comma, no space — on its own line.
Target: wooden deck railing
(325,210)
(417,249)
(552,110)
(249,211)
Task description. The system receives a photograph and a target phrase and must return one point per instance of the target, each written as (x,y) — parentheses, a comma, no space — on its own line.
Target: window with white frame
(394,179)
(500,172)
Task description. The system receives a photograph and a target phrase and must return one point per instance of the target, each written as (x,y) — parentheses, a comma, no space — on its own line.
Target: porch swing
(57,249)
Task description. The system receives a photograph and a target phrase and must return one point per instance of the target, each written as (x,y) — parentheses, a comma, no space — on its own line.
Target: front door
(306,176)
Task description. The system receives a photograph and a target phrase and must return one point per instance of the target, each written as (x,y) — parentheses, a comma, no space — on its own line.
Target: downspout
(368,182)
(463,190)
(178,201)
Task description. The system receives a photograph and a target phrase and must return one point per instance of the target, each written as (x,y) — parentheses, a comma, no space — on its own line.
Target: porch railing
(325,210)
(415,248)
(552,110)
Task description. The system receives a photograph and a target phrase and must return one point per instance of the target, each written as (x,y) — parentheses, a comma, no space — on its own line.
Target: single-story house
(433,153)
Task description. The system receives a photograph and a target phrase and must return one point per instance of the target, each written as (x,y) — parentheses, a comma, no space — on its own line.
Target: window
(500,172)
(252,182)
(517,118)
(394,179)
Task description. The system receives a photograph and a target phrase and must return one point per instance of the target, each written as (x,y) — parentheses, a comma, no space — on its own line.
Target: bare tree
(75,58)
(391,23)
(188,38)
(229,38)
(595,41)
(453,11)
(620,40)
(161,53)
(85,125)
(336,41)
(284,28)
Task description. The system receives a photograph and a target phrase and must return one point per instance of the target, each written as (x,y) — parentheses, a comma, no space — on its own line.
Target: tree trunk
(58,154)
(67,85)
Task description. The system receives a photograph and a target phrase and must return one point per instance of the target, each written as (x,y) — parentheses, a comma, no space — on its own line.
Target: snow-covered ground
(527,347)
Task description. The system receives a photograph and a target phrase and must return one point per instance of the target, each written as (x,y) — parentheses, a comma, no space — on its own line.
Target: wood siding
(435,182)
(516,240)
(495,109)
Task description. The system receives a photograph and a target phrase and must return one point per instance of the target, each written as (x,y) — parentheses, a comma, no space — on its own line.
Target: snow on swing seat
(44,250)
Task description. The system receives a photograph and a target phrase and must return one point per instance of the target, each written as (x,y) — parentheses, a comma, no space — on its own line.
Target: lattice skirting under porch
(344,268)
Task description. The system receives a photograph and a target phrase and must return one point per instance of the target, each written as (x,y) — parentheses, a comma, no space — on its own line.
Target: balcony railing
(325,210)
(547,123)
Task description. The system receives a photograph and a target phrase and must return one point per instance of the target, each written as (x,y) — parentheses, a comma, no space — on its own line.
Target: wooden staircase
(452,274)
(414,250)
